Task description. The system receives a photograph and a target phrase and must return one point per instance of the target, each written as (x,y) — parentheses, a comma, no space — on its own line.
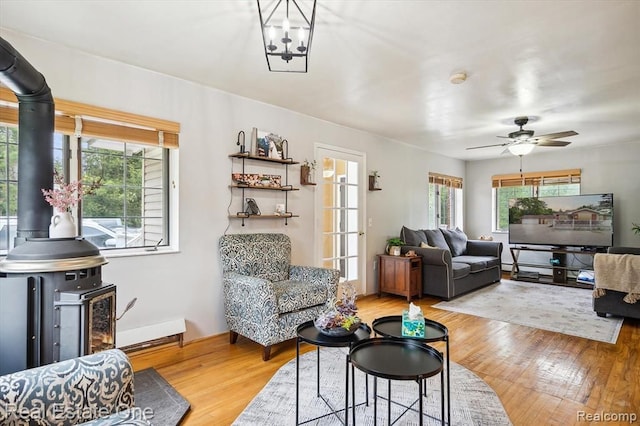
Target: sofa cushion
(477,263)
(412,237)
(460,270)
(436,239)
(457,241)
(295,295)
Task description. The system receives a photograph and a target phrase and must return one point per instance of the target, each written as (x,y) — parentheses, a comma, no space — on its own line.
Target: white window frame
(453,185)
(562,182)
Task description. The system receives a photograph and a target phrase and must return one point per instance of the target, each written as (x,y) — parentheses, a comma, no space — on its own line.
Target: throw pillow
(411,237)
(436,239)
(425,245)
(457,241)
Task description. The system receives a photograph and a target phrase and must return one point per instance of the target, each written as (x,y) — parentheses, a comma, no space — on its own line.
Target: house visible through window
(445,201)
(130,158)
(532,184)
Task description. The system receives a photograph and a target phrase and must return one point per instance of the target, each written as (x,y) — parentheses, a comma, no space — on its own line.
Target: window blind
(554,177)
(74,118)
(448,181)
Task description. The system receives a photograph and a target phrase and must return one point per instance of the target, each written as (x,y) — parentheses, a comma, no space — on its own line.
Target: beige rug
(565,310)
(473,402)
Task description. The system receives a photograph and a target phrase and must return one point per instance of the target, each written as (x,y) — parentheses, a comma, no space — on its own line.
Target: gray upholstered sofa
(451,263)
(265,297)
(614,302)
(95,389)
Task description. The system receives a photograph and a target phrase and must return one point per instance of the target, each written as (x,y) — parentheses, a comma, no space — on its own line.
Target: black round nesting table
(391,326)
(307,332)
(398,359)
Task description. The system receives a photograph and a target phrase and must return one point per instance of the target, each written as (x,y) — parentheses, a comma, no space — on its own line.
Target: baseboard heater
(151,335)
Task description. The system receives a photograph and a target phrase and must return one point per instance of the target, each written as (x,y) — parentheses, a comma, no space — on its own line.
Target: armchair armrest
(484,248)
(73,390)
(313,274)
(250,297)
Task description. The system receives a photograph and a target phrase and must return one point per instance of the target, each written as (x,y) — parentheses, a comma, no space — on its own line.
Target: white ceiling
(384,66)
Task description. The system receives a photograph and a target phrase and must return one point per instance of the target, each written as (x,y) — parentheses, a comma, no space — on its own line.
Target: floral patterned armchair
(95,389)
(265,297)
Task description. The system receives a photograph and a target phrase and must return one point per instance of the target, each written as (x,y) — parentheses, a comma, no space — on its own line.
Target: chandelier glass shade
(287,29)
(521,148)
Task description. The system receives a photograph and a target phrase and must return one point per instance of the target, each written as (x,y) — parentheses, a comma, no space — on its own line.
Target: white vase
(62,226)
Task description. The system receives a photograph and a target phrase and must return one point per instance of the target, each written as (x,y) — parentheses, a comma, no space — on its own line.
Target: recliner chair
(610,301)
(265,297)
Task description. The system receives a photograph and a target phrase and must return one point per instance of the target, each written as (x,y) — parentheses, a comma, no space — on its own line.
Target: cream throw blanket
(619,272)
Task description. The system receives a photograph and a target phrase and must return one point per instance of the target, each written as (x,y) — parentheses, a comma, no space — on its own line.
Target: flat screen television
(573,220)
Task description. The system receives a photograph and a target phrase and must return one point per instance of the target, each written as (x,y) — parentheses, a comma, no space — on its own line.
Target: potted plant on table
(393,246)
(341,318)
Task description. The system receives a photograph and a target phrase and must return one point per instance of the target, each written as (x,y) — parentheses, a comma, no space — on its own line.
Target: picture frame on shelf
(268,144)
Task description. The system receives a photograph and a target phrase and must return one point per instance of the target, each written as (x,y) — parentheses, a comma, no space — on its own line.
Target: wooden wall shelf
(286,188)
(372,184)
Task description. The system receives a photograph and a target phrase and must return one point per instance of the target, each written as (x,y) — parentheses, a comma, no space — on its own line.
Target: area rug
(473,402)
(565,310)
(163,405)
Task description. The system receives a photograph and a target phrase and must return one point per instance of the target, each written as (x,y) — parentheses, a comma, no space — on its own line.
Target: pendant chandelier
(287,29)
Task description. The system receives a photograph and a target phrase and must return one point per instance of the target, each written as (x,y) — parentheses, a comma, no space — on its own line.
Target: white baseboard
(150,332)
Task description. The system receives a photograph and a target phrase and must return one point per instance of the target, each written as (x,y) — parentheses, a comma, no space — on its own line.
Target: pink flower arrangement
(64,196)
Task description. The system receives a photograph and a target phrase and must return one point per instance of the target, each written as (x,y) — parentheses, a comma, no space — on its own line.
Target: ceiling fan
(522,142)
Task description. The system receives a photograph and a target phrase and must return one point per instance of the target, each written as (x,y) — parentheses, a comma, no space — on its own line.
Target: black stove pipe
(36,113)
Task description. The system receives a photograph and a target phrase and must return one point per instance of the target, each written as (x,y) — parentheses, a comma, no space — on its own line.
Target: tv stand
(557,265)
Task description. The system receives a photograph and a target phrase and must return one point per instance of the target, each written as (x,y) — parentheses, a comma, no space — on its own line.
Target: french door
(339,206)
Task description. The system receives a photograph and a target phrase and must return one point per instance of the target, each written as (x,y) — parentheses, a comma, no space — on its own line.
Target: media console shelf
(560,269)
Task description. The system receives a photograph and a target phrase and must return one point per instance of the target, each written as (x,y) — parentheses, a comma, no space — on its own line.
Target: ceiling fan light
(521,148)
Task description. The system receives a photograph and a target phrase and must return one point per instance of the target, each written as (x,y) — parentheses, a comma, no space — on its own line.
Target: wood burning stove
(53,303)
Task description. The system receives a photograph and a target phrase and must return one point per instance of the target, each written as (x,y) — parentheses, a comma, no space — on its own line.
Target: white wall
(603,169)
(188,283)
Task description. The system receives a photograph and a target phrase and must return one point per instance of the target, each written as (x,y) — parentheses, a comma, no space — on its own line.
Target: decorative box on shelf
(412,327)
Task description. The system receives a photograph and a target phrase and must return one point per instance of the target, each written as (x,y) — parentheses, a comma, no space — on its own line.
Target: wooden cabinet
(400,275)
(284,187)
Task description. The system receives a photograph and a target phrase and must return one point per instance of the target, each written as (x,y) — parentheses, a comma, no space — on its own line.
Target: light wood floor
(541,377)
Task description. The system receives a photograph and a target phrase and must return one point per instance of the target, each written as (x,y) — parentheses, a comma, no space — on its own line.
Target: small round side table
(398,359)
(391,326)
(307,332)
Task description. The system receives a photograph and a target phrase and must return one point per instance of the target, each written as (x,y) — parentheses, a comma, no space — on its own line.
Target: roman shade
(78,119)
(554,177)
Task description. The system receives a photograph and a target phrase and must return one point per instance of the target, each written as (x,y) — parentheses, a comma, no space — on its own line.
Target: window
(445,201)
(533,184)
(8,186)
(128,153)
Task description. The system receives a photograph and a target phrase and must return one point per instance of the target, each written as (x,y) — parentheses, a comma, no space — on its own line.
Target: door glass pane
(352,221)
(352,268)
(340,216)
(352,196)
(352,245)
(352,173)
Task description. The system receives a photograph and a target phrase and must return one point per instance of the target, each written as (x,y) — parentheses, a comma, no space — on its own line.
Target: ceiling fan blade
(553,143)
(556,135)
(504,137)
(489,146)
